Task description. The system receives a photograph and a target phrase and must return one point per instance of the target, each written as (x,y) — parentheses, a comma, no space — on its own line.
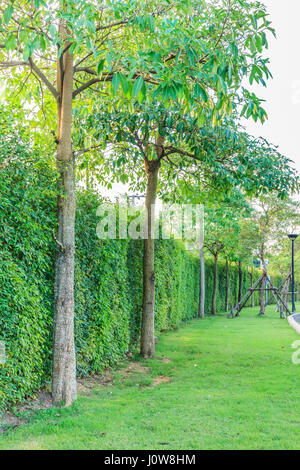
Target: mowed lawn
(215,384)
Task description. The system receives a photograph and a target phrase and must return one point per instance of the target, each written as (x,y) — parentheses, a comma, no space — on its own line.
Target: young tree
(222,228)
(274,219)
(246,246)
(241,251)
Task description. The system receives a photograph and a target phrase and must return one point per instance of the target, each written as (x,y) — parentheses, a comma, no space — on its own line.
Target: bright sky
(282,94)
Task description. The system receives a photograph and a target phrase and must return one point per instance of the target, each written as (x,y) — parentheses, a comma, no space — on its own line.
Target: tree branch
(89,84)
(86,150)
(44,79)
(86,70)
(171,150)
(4,65)
(119,23)
(106,78)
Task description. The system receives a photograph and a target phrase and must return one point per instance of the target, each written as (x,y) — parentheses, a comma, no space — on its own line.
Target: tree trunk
(285,295)
(202,284)
(252,296)
(240,282)
(64,362)
(214,297)
(262,298)
(227,287)
(262,290)
(147,328)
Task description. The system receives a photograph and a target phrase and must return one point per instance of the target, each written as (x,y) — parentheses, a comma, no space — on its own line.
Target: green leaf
(100,66)
(124,83)
(115,83)
(258,42)
(10,43)
(52,30)
(26,53)
(8,12)
(43,43)
(200,92)
(221,85)
(109,57)
(138,85)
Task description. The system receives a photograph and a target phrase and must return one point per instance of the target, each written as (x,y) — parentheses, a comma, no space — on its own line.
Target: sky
(282,93)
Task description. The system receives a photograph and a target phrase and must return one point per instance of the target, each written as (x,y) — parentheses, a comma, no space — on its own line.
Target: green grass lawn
(232,386)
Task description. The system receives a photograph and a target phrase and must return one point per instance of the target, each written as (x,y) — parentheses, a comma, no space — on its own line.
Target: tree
(274,219)
(222,227)
(239,249)
(246,245)
(55,52)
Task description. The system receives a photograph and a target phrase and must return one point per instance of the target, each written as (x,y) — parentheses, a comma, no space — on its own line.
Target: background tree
(274,219)
(222,226)
(247,244)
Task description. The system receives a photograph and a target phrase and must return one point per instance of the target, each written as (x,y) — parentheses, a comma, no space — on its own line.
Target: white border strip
(294,324)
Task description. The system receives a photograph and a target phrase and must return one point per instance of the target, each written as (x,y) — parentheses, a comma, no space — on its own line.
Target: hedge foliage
(27,215)
(108,279)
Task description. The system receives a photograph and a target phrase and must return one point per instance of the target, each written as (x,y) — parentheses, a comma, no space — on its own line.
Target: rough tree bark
(64,362)
(285,291)
(262,298)
(240,281)
(202,285)
(147,346)
(214,296)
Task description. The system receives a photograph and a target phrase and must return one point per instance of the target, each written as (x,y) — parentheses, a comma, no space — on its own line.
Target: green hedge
(27,215)
(108,280)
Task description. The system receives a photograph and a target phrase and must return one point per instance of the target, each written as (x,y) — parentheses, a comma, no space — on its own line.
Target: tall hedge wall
(108,280)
